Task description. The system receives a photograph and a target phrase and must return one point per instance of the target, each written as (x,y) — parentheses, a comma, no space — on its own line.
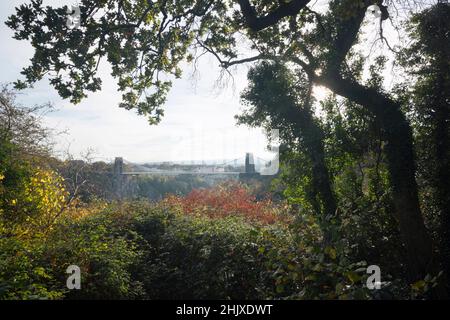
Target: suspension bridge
(125,170)
(123,167)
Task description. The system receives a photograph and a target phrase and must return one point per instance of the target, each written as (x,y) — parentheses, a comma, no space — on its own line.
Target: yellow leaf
(418,285)
(353,277)
(331,252)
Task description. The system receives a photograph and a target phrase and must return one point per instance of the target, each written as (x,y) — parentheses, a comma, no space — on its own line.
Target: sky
(198,124)
(199,119)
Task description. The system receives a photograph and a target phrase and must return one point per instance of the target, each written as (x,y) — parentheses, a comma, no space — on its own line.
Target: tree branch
(256,23)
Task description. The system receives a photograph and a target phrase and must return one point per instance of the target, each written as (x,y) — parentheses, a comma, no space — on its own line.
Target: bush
(140,250)
(21,274)
(146,251)
(224,200)
(31,204)
(194,257)
(104,257)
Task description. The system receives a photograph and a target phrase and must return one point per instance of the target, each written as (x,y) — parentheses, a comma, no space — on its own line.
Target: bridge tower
(250,170)
(249,163)
(118,178)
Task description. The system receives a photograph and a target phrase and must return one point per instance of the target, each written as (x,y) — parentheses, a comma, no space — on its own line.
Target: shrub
(21,275)
(224,200)
(143,250)
(194,257)
(29,206)
(104,256)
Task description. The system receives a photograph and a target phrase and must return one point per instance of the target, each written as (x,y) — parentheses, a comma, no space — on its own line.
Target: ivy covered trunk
(401,165)
(323,184)
(400,157)
(313,139)
(442,171)
(443,188)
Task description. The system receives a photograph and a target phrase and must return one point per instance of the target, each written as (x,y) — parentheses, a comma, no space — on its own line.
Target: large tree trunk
(400,157)
(441,173)
(401,165)
(433,91)
(312,135)
(322,182)
(443,186)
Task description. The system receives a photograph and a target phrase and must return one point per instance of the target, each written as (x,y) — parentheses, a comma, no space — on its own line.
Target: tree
(279,100)
(22,125)
(32,197)
(428,65)
(145,42)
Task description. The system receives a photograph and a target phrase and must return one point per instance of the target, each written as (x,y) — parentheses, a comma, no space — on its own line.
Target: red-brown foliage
(226,200)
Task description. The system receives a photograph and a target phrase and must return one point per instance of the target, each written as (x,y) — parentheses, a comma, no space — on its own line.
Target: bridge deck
(175,173)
